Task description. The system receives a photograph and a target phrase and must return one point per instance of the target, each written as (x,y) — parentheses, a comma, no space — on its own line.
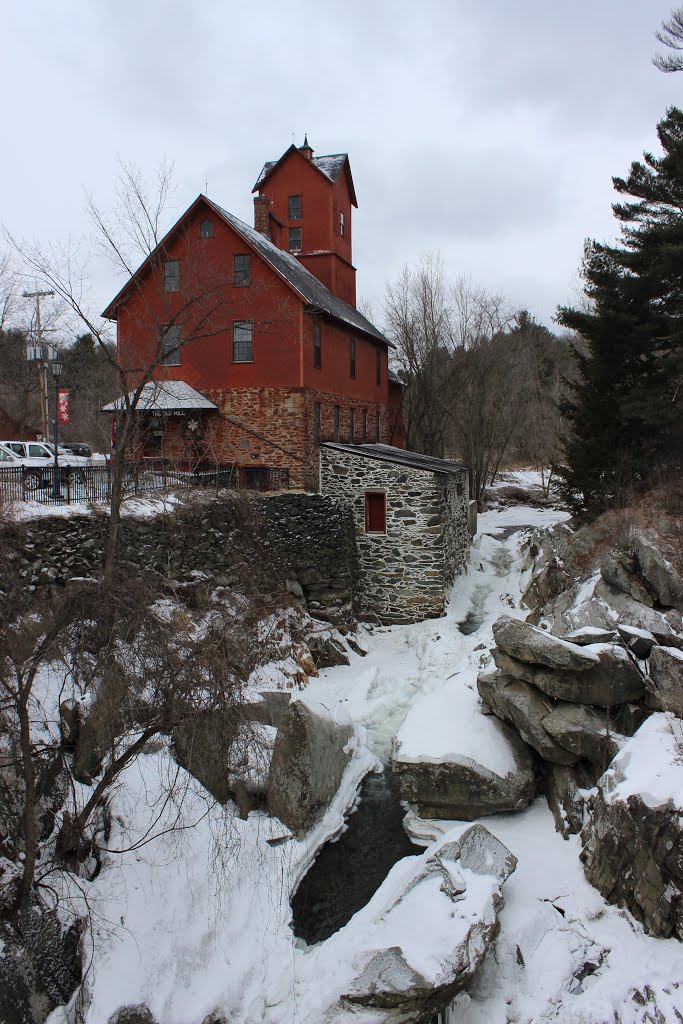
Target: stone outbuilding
(412,531)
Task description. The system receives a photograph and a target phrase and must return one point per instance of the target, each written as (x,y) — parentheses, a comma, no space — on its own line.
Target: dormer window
(341,222)
(294,207)
(294,240)
(206,229)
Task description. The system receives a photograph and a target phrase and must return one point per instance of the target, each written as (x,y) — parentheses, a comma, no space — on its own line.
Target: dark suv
(78,448)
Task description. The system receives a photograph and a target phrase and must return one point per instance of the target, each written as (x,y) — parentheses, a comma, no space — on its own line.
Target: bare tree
(418,320)
(671,35)
(463,373)
(130,237)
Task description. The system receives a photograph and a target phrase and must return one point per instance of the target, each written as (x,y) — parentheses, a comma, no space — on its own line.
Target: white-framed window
(342,224)
(242,341)
(294,240)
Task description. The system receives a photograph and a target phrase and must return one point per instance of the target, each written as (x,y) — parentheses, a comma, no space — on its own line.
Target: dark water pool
(347,873)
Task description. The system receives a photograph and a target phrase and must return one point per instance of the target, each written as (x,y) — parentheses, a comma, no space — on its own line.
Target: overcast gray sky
(485,129)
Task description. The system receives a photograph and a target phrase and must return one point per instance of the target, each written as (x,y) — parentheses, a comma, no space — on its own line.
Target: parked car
(43,453)
(69,458)
(78,448)
(37,468)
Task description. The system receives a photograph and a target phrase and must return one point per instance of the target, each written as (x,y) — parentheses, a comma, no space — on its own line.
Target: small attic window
(206,228)
(341,222)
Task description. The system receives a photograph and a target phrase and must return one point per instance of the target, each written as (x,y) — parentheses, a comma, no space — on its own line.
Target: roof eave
(110,311)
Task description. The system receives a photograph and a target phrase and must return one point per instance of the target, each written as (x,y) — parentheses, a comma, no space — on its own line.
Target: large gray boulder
(311,751)
(459,787)
(389,977)
(664,581)
(584,731)
(538,647)
(620,570)
(633,842)
(666,674)
(526,708)
(614,679)
(39,966)
(566,787)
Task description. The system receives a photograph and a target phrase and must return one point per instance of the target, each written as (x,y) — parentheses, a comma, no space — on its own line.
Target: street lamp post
(56,365)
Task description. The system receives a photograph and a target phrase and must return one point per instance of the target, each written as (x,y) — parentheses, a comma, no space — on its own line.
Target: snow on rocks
(467,874)
(526,643)
(312,748)
(455,762)
(666,674)
(633,842)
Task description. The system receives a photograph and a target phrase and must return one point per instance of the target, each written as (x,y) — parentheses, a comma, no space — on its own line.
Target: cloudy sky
(484,129)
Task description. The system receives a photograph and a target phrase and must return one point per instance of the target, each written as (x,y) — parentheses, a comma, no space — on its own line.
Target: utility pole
(38,354)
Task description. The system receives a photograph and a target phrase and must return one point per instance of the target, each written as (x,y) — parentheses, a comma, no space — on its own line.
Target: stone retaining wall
(304,539)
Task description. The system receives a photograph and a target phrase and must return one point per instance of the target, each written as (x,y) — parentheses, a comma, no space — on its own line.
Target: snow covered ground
(199,921)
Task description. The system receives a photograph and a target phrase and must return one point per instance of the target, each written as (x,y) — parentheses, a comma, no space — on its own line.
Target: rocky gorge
(536,749)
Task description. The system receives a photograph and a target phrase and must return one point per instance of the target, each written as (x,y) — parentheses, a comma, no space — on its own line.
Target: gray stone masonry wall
(305,539)
(404,574)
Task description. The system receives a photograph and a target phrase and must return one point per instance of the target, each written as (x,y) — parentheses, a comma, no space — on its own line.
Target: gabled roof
(331,166)
(305,284)
(309,289)
(165,396)
(387,453)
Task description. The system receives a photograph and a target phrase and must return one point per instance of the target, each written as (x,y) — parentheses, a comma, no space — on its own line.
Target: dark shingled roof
(387,453)
(312,291)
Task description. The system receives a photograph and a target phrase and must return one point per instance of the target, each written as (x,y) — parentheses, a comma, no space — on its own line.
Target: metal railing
(91,484)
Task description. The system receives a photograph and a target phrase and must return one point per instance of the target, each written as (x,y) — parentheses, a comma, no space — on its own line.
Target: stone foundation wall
(305,541)
(270,427)
(404,574)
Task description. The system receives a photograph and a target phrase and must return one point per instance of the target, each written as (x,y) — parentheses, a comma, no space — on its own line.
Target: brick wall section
(300,538)
(404,574)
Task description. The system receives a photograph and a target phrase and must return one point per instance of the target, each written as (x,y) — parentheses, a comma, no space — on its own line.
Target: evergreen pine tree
(626,406)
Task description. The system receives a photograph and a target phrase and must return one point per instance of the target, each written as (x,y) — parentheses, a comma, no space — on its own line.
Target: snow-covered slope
(198,922)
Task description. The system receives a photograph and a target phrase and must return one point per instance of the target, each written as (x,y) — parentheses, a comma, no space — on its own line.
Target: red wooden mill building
(264,354)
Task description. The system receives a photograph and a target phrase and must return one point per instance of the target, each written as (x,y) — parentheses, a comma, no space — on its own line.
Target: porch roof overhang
(164,396)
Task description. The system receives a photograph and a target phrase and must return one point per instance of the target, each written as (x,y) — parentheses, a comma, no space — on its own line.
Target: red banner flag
(63,406)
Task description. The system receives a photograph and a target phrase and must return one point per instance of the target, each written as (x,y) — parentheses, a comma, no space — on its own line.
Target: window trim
(300,246)
(241,279)
(290,215)
(167,265)
(370,497)
(342,223)
(175,351)
(240,325)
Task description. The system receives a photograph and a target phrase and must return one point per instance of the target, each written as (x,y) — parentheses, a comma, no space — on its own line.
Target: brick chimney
(262,215)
